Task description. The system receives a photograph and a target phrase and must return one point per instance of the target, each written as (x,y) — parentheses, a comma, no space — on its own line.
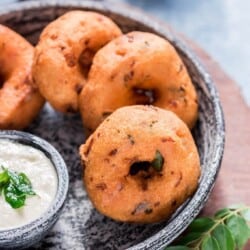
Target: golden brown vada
(137,68)
(140,164)
(20,102)
(64,54)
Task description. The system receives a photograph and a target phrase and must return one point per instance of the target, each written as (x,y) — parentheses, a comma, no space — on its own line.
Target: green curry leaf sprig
(228,229)
(15,187)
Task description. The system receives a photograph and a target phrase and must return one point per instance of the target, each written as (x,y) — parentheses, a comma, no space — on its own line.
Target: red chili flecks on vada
(65,52)
(137,68)
(20,101)
(140,164)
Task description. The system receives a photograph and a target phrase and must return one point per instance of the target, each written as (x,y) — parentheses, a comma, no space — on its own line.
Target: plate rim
(185,217)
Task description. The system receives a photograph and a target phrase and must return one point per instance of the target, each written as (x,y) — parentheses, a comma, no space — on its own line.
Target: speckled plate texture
(80,226)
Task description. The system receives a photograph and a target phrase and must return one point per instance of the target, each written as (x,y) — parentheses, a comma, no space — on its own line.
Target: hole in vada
(142,171)
(1,81)
(146,169)
(145,96)
(136,167)
(85,60)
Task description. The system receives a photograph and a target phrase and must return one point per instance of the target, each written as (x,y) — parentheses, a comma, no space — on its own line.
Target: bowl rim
(197,201)
(27,139)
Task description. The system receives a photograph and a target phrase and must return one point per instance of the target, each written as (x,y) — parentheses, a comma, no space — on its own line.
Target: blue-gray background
(221,27)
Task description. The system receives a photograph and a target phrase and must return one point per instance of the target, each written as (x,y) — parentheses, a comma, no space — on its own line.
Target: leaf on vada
(158,161)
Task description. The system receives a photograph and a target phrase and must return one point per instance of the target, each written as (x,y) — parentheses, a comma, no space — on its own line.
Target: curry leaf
(228,229)
(16,187)
(210,243)
(190,238)
(224,237)
(239,229)
(158,161)
(15,198)
(221,213)
(201,225)
(25,185)
(4,178)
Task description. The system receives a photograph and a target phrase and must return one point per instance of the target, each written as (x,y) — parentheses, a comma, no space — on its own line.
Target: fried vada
(137,68)
(140,164)
(20,101)
(65,52)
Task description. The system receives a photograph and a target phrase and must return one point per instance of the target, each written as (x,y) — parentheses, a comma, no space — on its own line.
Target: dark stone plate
(80,226)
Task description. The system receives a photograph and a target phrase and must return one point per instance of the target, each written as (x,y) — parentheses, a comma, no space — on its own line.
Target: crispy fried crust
(137,68)
(64,54)
(118,172)
(20,102)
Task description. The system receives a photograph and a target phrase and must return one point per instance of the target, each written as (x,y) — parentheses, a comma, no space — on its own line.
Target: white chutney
(42,174)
